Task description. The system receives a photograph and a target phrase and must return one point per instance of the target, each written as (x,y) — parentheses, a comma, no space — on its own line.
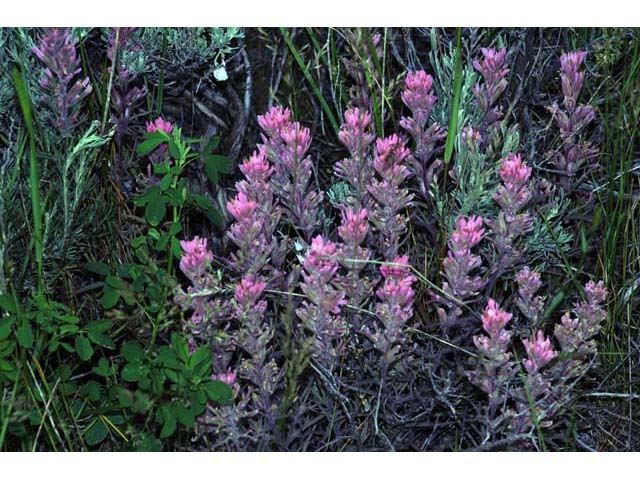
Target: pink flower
(354,134)
(354,226)
(468,234)
(494,319)
(514,173)
(241,207)
(398,284)
(322,258)
(471,136)
(417,94)
(249,290)
(595,292)
(256,168)
(398,269)
(390,152)
(196,256)
(274,120)
(491,66)
(160,124)
(528,280)
(539,351)
(229,378)
(357,120)
(296,137)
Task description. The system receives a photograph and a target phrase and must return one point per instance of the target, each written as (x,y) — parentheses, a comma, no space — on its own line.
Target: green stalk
(452,133)
(309,78)
(34,178)
(114,62)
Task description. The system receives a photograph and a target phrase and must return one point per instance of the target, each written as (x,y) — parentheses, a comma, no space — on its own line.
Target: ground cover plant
(319,239)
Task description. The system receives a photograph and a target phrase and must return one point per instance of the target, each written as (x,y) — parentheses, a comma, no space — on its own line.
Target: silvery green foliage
(192,47)
(6,89)
(548,242)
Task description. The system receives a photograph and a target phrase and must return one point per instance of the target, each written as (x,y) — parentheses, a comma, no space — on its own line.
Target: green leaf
(184,415)
(102,368)
(174,149)
(452,132)
(165,182)
(5,327)
(96,433)
(132,351)
(100,268)
(219,392)
(175,229)
(102,339)
(215,165)
(151,194)
(25,335)
(555,302)
(83,348)
(115,282)
(6,303)
(99,326)
(205,204)
(132,372)
(169,426)
(110,297)
(149,145)
(155,211)
(5,366)
(148,443)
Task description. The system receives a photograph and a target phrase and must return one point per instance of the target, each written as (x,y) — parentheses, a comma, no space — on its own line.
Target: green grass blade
(34,179)
(309,78)
(457,89)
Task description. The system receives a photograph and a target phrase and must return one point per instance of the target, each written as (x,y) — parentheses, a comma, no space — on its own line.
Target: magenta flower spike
(540,353)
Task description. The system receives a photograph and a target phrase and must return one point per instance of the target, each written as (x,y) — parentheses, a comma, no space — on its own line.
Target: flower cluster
(57,50)
(286,144)
(512,197)
(573,119)
(495,368)
(539,351)
(125,95)
(357,170)
(394,309)
(575,334)
(530,304)
(494,73)
(353,256)
(390,197)
(195,264)
(320,313)
(459,282)
(419,98)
